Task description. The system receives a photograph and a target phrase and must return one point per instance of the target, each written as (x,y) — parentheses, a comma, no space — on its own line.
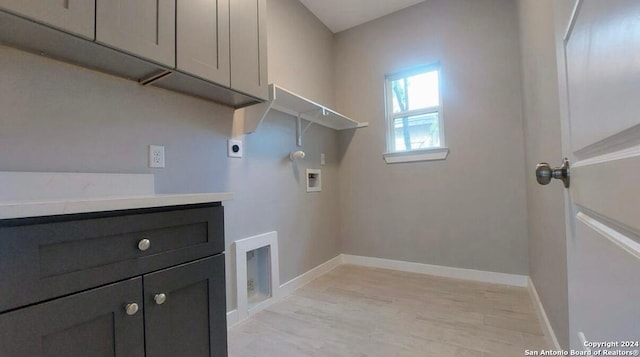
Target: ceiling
(339,15)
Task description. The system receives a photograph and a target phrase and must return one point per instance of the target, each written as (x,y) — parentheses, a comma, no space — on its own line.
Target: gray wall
(468,211)
(58,117)
(547,244)
(300,51)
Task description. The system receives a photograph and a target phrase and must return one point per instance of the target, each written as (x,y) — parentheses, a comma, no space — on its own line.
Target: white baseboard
(232,318)
(549,334)
(438,270)
(302,280)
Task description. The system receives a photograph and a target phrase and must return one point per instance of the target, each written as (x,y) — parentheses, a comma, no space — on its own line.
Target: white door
(601,135)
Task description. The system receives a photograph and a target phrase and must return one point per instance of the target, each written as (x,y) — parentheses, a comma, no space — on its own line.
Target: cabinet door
(145,28)
(93,323)
(203,39)
(249,47)
(191,321)
(75,16)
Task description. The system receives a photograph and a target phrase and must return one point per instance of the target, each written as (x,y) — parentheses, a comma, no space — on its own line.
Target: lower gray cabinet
(111,295)
(92,323)
(178,311)
(185,311)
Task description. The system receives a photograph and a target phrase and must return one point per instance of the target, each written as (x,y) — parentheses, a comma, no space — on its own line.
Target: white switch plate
(156,156)
(322,159)
(234,148)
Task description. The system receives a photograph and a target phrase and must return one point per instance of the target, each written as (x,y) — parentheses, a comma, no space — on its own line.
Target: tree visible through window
(414,119)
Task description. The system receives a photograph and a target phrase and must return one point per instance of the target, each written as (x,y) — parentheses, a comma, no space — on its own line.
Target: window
(414,116)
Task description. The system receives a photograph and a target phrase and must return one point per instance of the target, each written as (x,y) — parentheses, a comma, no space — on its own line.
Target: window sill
(416,155)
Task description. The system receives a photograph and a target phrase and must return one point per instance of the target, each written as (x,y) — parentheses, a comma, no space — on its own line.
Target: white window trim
(430,154)
(426,154)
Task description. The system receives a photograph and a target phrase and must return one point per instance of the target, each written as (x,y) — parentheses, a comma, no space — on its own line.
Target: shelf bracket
(299,131)
(315,114)
(248,119)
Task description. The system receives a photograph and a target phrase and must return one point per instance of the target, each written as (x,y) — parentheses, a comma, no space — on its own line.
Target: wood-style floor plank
(359,311)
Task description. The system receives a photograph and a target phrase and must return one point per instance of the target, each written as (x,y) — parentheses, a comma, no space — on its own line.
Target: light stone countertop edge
(10,210)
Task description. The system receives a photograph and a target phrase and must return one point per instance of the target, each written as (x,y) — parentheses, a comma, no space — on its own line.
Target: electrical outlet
(234,148)
(156,156)
(251,285)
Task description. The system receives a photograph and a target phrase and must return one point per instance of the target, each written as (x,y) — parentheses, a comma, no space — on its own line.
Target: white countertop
(21,209)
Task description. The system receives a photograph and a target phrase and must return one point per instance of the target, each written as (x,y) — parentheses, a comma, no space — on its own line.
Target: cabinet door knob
(131,309)
(160,298)
(144,244)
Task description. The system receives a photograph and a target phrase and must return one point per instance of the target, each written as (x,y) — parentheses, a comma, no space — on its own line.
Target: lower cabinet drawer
(92,323)
(62,255)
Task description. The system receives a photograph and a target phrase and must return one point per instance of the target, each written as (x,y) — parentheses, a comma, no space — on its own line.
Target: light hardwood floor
(358,311)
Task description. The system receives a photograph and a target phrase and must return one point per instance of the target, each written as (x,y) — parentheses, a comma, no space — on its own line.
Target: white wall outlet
(156,156)
(234,148)
(322,159)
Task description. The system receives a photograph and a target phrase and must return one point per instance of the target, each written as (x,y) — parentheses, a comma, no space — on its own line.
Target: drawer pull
(131,309)
(160,298)
(144,244)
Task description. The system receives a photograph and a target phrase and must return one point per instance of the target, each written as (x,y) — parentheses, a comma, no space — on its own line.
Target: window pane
(416,132)
(399,95)
(423,90)
(415,92)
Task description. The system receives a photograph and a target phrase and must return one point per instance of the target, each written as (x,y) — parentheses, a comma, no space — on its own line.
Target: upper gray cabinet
(212,49)
(202,39)
(145,28)
(249,47)
(75,16)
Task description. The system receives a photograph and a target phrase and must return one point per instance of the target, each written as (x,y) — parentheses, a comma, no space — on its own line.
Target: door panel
(249,47)
(99,330)
(599,188)
(92,323)
(203,39)
(605,271)
(602,137)
(75,16)
(141,27)
(192,319)
(602,60)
